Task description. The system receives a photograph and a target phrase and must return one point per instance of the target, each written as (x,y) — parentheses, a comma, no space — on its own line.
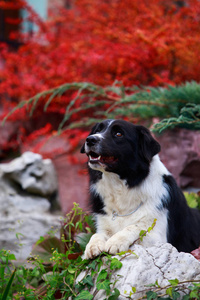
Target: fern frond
(117,101)
(189,118)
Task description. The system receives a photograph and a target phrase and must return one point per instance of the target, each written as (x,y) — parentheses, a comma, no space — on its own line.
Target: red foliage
(137,42)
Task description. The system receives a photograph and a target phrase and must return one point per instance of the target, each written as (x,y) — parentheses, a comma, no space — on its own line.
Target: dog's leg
(122,240)
(95,246)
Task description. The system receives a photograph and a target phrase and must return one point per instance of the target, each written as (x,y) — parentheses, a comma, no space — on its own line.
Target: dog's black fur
(183,222)
(129,150)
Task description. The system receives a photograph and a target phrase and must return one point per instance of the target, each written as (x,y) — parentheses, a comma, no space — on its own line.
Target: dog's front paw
(116,244)
(95,246)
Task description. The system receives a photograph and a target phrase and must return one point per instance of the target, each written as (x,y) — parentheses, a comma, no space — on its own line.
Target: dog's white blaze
(110,122)
(117,196)
(100,135)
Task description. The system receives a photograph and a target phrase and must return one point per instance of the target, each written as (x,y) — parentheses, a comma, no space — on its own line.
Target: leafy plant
(8,286)
(55,265)
(189,118)
(193,199)
(128,103)
(175,290)
(76,230)
(13,280)
(63,274)
(149,45)
(143,233)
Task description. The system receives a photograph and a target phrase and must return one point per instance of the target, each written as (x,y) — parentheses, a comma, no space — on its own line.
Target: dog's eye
(118,134)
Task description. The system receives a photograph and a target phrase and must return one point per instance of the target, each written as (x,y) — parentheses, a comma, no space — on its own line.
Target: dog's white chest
(138,206)
(115,194)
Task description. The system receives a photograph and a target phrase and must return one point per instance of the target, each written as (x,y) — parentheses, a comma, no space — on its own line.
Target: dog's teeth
(94,158)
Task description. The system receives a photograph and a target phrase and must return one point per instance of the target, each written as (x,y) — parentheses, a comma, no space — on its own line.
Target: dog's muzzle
(93,150)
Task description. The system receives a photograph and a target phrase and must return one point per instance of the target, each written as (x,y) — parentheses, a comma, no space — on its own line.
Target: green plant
(76,230)
(14,281)
(55,265)
(193,199)
(180,104)
(189,118)
(56,269)
(174,290)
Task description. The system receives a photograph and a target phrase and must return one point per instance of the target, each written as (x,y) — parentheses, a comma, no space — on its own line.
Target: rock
(51,147)
(180,152)
(73,184)
(157,263)
(20,231)
(196,253)
(32,173)
(28,189)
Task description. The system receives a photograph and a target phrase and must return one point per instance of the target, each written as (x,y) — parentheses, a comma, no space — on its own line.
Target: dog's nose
(92,140)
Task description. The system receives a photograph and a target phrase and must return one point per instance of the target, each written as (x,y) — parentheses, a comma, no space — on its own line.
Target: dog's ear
(92,132)
(83,148)
(148,146)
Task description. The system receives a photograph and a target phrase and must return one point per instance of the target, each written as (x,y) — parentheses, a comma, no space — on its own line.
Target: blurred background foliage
(135,60)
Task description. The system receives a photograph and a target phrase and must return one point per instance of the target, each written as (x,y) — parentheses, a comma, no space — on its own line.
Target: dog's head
(117,145)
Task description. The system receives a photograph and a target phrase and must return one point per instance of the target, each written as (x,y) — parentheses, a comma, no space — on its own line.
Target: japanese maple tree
(138,42)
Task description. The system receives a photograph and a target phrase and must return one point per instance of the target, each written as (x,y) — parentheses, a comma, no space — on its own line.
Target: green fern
(189,118)
(176,105)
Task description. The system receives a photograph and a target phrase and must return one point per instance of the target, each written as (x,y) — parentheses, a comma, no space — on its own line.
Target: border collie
(130,187)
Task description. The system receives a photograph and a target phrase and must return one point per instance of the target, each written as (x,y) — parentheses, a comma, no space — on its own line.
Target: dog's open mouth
(96,158)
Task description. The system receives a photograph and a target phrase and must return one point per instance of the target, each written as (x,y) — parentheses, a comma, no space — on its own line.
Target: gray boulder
(33,173)
(28,192)
(158,263)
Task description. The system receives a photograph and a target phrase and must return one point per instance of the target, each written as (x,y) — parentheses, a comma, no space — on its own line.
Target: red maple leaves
(137,42)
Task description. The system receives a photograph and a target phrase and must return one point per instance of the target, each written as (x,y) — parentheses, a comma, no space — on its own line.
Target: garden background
(64,65)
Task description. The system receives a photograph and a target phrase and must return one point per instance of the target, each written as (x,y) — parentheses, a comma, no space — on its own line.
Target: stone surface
(180,152)
(196,253)
(32,173)
(158,263)
(73,184)
(20,231)
(28,189)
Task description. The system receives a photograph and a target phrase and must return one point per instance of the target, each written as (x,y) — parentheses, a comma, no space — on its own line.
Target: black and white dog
(130,187)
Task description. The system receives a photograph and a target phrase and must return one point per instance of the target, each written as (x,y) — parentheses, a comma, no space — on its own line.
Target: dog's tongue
(107,159)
